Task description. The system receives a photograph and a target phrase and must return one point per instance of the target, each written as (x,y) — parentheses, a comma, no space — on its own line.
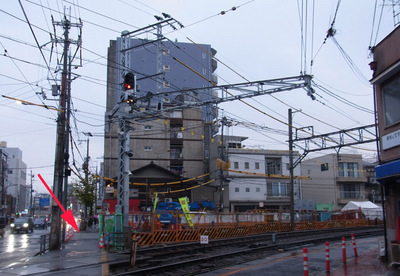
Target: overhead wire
(331,31)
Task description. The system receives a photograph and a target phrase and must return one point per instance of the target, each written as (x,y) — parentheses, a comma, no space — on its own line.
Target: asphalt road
(20,246)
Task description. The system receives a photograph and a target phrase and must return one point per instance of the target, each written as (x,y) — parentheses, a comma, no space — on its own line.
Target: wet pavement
(290,262)
(81,256)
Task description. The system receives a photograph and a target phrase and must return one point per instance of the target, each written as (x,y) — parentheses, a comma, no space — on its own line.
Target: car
(22,224)
(40,223)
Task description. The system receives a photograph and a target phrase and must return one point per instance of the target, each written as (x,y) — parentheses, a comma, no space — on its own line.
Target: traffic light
(129,81)
(130,99)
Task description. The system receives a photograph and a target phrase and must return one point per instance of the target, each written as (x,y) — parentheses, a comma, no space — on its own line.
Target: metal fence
(173,226)
(44,244)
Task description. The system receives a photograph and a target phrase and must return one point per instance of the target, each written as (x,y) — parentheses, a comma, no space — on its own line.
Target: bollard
(305,261)
(353,239)
(133,251)
(328,264)
(344,250)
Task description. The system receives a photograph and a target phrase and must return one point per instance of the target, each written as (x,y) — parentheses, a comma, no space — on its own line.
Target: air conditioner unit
(168,199)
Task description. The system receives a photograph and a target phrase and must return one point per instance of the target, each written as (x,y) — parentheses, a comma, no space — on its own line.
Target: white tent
(369,209)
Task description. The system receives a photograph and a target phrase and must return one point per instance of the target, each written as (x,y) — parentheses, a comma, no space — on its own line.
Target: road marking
(104,267)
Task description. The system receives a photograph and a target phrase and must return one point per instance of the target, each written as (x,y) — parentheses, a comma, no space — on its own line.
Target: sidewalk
(368,263)
(82,250)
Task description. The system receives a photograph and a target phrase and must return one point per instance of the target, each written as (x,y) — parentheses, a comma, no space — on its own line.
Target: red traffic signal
(129,81)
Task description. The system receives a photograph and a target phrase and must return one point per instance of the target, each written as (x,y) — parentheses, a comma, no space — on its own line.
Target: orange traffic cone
(67,237)
(101,243)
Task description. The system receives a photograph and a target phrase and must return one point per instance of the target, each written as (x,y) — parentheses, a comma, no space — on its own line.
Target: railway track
(194,258)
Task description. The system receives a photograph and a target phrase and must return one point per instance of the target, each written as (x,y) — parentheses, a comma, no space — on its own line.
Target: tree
(85,192)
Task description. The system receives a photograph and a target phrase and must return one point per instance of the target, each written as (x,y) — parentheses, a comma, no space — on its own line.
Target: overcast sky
(258,40)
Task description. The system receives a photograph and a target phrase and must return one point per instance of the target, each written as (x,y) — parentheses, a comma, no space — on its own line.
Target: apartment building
(16,179)
(256,179)
(335,179)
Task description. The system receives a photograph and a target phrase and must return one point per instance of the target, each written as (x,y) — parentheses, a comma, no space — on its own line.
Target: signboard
(44,201)
(133,192)
(99,203)
(391,140)
(185,208)
(109,190)
(155,202)
(203,239)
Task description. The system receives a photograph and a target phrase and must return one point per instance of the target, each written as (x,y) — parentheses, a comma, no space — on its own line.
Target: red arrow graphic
(67,216)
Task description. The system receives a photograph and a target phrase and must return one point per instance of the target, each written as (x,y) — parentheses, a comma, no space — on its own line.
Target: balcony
(351,179)
(176,138)
(346,196)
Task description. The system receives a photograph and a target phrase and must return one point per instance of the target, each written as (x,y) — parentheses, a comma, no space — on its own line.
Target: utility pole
(291,182)
(32,211)
(61,137)
(87,173)
(67,171)
(224,122)
(61,151)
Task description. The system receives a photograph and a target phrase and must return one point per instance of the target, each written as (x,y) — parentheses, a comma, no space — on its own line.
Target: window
(175,153)
(348,169)
(258,190)
(324,167)
(277,189)
(166,52)
(166,68)
(147,148)
(273,165)
(236,189)
(257,165)
(236,165)
(351,190)
(166,84)
(391,102)
(247,190)
(246,165)
(147,127)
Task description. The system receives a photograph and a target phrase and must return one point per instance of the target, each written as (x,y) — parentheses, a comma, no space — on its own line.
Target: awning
(388,170)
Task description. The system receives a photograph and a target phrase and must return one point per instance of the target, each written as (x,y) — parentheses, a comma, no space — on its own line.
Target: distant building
(17,174)
(335,179)
(41,204)
(257,178)
(372,187)
(4,200)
